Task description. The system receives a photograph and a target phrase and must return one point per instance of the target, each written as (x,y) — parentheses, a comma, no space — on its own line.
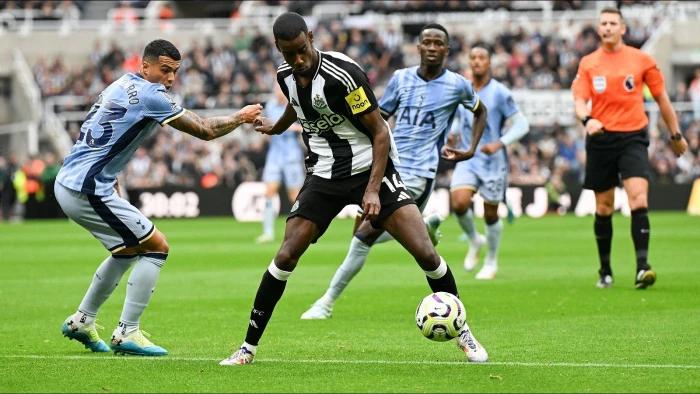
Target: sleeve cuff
(173,117)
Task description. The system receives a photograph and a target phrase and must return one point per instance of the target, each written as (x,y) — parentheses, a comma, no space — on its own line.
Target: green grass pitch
(545,325)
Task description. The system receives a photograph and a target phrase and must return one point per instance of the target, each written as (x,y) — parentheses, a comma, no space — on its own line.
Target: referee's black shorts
(614,156)
(320,200)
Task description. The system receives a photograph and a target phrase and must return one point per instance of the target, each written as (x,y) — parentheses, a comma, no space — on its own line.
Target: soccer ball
(440,316)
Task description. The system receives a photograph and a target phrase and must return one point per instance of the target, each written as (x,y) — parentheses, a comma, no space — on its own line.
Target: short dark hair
(157,48)
(435,26)
(288,26)
(612,10)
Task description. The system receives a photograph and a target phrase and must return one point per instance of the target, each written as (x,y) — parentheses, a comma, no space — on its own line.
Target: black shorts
(320,200)
(614,156)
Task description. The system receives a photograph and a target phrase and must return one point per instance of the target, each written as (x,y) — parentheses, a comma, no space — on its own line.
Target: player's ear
(144,67)
(310,36)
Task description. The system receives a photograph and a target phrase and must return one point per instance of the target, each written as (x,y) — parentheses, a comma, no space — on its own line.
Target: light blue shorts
(292,172)
(419,188)
(490,185)
(110,219)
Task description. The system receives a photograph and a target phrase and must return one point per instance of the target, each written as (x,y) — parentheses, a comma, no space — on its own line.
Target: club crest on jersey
(599,83)
(629,82)
(318,102)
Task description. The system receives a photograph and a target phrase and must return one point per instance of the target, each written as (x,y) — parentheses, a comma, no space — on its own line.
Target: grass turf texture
(545,325)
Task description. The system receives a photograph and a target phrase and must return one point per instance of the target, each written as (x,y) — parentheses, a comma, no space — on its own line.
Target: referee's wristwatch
(585,120)
(676,137)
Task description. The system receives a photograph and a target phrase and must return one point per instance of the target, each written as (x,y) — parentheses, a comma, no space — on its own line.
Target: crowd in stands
(42,10)
(240,73)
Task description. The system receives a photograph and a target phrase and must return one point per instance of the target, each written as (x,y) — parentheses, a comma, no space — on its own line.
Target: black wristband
(585,120)
(676,137)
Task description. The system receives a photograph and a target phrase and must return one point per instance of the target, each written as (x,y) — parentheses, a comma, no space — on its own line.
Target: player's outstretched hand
(249,113)
(456,154)
(370,205)
(263,125)
(492,147)
(679,146)
(593,127)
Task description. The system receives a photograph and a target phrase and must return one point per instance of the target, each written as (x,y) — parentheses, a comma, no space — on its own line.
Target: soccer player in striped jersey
(125,114)
(423,99)
(351,161)
(487,171)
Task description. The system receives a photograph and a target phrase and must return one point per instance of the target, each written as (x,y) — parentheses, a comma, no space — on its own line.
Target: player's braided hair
(288,26)
(157,48)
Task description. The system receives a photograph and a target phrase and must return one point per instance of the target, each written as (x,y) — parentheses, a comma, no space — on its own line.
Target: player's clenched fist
(249,113)
(263,125)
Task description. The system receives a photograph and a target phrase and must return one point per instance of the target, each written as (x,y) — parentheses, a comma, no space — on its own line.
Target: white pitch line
(368,362)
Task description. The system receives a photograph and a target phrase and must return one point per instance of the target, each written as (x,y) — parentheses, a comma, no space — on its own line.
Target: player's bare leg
(494,227)
(298,235)
(461,202)
(406,226)
(637,189)
(603,230)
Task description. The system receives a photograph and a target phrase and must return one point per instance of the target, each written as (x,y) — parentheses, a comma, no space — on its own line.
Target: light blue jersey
(285,156)
(424,111)
(283,147)
(486,173)
(125,114)
(501,106)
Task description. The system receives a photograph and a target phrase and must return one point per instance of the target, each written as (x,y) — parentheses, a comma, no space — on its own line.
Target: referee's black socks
(640,236)
(602,227)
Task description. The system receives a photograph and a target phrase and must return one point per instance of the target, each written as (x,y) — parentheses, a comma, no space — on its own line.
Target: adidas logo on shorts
(403,196)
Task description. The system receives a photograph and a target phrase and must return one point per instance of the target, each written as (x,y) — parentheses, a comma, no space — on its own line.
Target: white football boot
(488,271)
(241,356)
(318,311)
(475,245)
(471,347)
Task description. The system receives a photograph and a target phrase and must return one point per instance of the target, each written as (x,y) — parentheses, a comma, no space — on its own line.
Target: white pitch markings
(367,362)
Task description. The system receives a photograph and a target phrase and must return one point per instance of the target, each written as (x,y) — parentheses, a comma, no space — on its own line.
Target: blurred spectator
(233,75)
(694,93)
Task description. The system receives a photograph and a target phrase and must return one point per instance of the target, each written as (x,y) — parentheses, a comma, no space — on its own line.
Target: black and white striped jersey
(327,109)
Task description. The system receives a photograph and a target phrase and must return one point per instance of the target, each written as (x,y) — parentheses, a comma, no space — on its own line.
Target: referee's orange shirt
(613,81)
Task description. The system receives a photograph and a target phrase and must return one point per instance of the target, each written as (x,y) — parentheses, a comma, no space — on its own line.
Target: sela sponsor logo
(322,124)
(599,83)
(358,101)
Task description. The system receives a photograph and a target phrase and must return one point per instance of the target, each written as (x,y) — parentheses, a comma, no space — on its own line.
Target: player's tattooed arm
(480,116)
(265,125)
(210,128)
(376,125)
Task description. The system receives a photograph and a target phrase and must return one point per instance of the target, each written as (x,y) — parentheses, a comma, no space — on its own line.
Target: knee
(156,244)
(638,201)
(428,259)
(160,243)
(491,214)
(604,208)
(286,259)
(460,206)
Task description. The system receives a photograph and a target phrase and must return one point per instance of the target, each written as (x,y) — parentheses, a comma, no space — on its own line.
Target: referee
(612,79)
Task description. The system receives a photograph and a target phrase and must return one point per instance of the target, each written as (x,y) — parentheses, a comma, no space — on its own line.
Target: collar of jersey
(444,70)
(320,59)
